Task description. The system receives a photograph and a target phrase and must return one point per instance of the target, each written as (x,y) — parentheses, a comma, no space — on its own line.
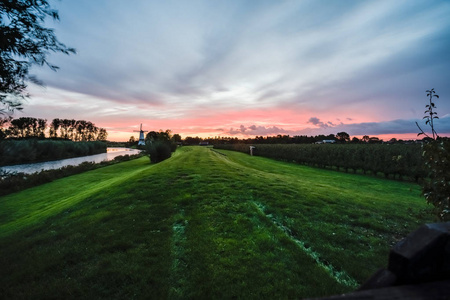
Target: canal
(56,164)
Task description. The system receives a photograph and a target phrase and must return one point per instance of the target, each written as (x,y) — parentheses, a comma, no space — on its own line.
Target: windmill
(141,136)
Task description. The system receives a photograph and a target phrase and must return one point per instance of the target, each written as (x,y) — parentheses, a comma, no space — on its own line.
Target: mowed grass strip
(200,225)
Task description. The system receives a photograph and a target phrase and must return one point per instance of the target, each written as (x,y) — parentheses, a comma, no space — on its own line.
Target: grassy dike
(203,224)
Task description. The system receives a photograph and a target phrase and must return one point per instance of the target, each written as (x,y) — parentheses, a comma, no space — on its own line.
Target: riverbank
(110,154)
(16,181)
(32,150)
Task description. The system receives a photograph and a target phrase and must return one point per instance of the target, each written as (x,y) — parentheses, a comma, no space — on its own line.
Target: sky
(248,68)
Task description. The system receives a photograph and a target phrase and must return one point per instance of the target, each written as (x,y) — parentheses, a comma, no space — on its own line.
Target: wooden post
(251,150)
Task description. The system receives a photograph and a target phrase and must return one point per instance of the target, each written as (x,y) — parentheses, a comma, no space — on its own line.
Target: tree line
(340,137)
(69,129)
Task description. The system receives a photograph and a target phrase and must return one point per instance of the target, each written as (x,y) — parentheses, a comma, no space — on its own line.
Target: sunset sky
(246,68)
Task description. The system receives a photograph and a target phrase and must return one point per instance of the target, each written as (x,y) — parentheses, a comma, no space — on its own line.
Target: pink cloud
(257,130)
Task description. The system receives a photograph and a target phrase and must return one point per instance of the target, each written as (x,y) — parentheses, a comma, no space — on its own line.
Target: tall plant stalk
(430,115)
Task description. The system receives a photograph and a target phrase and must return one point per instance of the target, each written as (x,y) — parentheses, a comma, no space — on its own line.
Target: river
(56,164)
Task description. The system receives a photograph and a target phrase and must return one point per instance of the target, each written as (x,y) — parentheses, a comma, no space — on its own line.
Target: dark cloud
(316,121)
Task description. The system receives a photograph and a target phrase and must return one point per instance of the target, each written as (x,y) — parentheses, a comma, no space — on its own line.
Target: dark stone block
(423,255)
(427,291)
(419,269)
(382,278)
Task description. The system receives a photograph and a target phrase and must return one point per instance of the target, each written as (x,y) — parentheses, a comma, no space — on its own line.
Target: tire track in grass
(179,266)
(340,276)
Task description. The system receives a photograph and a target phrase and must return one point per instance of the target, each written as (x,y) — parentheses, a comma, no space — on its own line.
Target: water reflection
(56,164)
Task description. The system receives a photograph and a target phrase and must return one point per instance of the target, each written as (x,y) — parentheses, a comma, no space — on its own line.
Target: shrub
(436,188)
(158,150)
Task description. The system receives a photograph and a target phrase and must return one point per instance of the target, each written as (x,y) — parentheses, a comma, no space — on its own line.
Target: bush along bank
(160,150)
(160,145)
(401,161)
(23,151)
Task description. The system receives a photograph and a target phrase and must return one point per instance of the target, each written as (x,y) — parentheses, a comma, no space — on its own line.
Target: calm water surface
(56,164)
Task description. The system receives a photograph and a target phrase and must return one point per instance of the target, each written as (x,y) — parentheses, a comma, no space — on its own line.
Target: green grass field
(203,224)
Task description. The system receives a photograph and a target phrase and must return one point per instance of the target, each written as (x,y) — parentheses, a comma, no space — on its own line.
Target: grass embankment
(201,225)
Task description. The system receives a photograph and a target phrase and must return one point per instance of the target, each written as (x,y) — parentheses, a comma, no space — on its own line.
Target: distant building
(203,143)
(326,142)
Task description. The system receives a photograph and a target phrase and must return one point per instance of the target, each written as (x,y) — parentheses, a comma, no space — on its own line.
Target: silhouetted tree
(176,138)
(355,140)
(393,141)
(24,42)
(374,140)
(54,126)
(131,141)
(192,140)
(159,136)
(83,131)
(27,127)
(102,134)
(151,136)
(343,137)
(4,132)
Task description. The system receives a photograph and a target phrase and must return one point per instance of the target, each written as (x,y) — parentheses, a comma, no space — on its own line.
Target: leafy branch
(430,115)
(24,42)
